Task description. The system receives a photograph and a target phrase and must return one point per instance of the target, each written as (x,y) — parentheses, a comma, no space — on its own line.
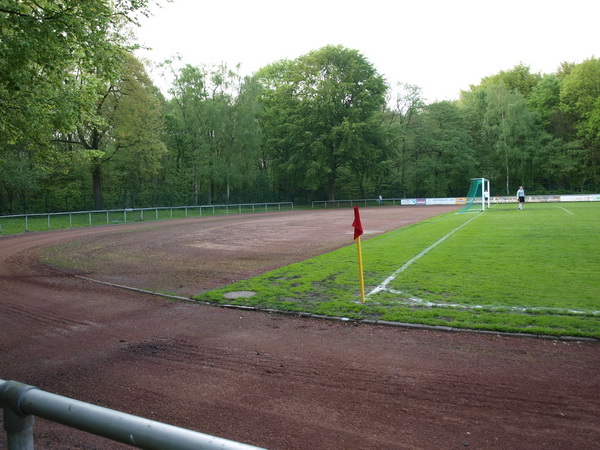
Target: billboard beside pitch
(430,201)
(580,198)
(502,200)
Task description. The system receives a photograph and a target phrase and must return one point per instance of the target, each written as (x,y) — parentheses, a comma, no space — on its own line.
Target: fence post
(18,426)
(19,430)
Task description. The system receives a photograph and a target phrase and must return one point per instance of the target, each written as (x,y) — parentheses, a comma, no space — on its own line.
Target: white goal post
(485,194)
(478,197)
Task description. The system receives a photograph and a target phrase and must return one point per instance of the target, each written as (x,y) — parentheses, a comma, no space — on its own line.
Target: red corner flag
(358,229)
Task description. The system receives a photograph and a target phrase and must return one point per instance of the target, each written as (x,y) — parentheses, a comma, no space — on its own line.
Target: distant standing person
(521,197)
(380,200)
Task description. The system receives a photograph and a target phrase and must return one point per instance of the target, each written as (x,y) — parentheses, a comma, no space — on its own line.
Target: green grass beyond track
(530,271)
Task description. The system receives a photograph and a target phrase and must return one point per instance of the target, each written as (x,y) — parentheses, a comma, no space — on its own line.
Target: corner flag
(358,230)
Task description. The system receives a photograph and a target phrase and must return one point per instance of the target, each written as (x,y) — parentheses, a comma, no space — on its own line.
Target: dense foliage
(83,127)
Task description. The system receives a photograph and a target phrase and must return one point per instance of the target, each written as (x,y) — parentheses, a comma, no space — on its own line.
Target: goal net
(478,198)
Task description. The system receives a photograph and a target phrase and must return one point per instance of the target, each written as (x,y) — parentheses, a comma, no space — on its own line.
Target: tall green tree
(327,104)
(518,79)
(402,121)
(186,129)
(444,157)
(560,163)
(47,48)
(504,130)
(126,133)
(580,100)
(215,125)
(134,153)
(282,159)
(545,100)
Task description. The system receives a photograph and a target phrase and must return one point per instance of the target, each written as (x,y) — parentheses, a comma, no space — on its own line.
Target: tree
(324,107)
(127,129)
(445,158)
(545,100)
(19,175)
(559,164)
(186,130)
(403,124)
(215,116)
(505,132)
(134,150)
(580,100)
(282,158)
(510,124)
(517,79)
(53,54)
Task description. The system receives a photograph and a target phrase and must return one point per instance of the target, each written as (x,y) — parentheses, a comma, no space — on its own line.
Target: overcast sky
(442,46)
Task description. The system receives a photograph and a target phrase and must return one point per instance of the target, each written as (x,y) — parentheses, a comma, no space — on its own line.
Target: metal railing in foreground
(22,402)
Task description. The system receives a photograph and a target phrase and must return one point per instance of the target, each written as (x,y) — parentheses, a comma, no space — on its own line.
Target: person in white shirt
(521,197)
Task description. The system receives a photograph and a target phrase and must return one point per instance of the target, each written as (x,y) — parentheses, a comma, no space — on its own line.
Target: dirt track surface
(273,381)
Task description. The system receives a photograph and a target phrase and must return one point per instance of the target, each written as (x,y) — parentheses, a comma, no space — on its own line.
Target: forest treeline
(83,127)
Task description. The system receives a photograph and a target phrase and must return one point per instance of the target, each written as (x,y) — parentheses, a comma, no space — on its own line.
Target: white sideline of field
(566,210)
(392,277)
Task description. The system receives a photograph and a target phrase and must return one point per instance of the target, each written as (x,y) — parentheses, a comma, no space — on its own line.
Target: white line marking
(388,280)
(524,309)
(566,210)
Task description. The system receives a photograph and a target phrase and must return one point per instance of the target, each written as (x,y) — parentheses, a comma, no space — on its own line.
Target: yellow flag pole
(360,270)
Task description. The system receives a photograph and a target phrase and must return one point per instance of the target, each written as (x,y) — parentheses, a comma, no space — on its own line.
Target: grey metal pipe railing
(93,216)
(22,402)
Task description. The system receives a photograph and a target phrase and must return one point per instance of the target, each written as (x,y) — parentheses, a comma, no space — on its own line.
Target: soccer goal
(478,198)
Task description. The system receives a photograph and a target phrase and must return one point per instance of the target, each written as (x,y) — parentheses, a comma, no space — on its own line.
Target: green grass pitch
(535,270)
